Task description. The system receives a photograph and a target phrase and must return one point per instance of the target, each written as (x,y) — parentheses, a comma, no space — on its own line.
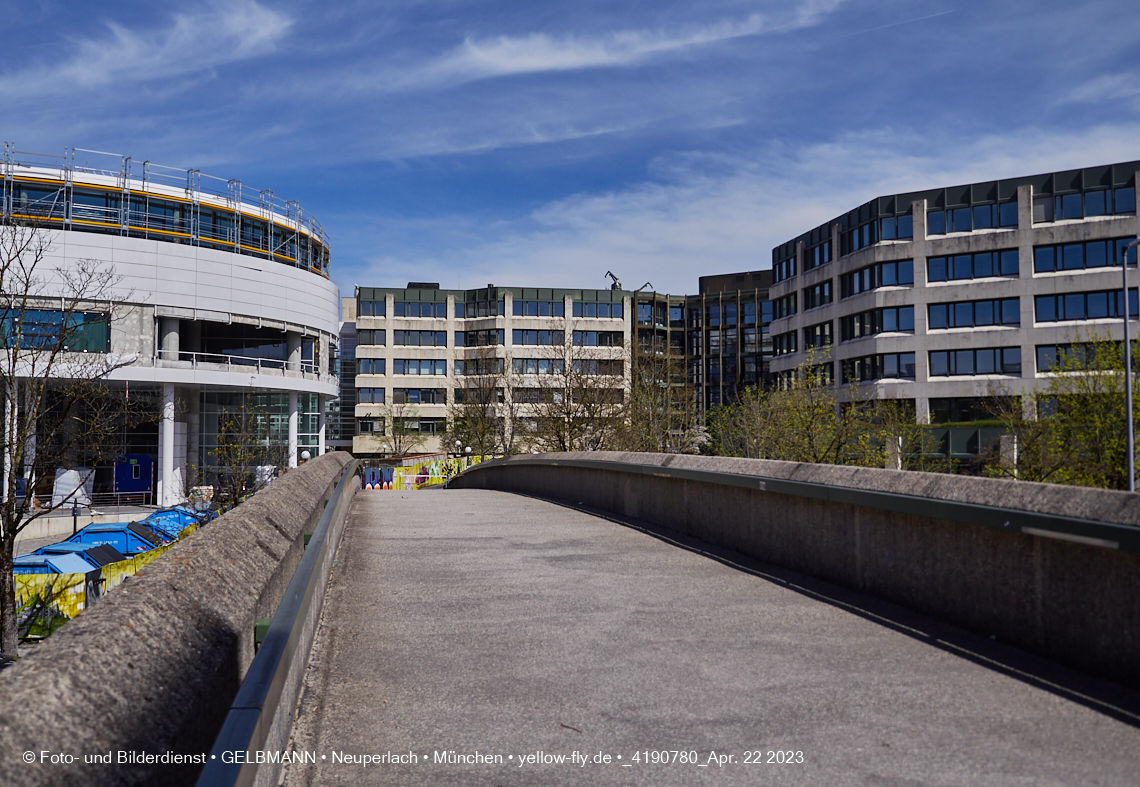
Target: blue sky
(542,144)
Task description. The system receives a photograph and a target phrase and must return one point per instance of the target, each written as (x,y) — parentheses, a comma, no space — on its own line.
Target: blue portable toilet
(127,537)
(51,564)
(98,555)
(134,473)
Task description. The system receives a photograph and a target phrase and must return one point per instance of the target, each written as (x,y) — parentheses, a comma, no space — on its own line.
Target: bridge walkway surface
(488,625)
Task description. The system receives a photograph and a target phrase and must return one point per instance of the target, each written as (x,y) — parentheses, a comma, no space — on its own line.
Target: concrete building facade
(946,297)
(223,293)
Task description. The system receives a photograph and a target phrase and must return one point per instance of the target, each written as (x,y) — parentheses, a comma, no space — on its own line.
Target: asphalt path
(482,638)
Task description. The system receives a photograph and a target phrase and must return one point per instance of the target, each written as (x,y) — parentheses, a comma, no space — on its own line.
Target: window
(42,328)
(819,295)
(1100,202)
(540,309)
(1084,306)
(818,255)
(419,338)
(484,338)
(784,343)
(977,217)
(600,310)
(370,426)
(896,227)
(784,307)
(370,365)
(371,338)
(419,395)
(371,309)
(596,366)
(421,425)
(1055,357)
(886,320)
(969,314)
(538,366)
(784,269)
(998,360)
(473,309)
(404,309)
(528,337)
(421,366)
(962,409)
(596,338)
(1079,256)
(876,367)
(485,366)
(818,335)
(370,396)
(973,266)
(883,274)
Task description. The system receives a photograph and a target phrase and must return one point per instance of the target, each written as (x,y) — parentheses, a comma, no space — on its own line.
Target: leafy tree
(249,453)
(1071,428)
(483,414)
(661,412)
(402,421)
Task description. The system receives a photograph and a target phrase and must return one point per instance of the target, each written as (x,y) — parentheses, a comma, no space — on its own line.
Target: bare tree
(661,412)
(402,433)
(483,413)
(54,359)
(576,402)
(248,454)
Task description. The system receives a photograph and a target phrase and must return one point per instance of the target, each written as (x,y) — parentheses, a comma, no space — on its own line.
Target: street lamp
(458,447)
(1128,368)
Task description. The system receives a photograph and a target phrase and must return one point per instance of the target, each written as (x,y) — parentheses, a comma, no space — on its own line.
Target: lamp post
(458,447)
(1128,369)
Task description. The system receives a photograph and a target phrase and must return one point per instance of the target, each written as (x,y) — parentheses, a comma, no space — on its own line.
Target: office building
(944,298)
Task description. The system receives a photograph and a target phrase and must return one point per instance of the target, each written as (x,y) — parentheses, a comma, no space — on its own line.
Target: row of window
(402,396)
(960,267)
(421,366)
(402,425)
(492,309)
(419,338)
(818,295)
(784,306)
(599,310)
(993,360)
(598,338)
(475,309)
(881,274)
(878,367)
(485,338)
(1078,256)
(478,366)
(969,314)
(818,335)
(1084,305)
(1104,202)
(886,320)
(978,217)
(784,343)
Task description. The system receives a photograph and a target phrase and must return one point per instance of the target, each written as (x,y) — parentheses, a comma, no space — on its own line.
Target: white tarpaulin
(67,482)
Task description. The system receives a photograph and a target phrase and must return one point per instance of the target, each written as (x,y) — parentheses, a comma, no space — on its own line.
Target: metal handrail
(1082,531)
(261,715)
(307,368)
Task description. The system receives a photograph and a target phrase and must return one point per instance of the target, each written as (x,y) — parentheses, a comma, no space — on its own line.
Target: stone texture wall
(153,666)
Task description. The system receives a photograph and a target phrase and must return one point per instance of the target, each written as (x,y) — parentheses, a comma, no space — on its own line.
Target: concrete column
(168,338)
(320,425)
(11,413)
(30,444)
(293,343)
(293,427)
(166,460)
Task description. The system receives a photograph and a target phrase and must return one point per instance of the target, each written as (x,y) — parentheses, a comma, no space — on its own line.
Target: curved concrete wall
(1074,602)
(153,667)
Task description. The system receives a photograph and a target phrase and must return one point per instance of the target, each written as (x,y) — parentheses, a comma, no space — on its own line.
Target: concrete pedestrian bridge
(620,620)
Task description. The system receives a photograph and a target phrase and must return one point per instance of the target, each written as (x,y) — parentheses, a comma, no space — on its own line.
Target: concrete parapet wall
(1076,603)
(153,667)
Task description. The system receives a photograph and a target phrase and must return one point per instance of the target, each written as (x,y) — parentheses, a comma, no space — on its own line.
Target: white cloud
(1106,89)
(718,215)
(205,39)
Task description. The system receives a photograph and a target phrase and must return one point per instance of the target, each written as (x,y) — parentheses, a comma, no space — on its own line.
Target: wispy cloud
(713,213)
(487,58)
(218,34)
(1106,88)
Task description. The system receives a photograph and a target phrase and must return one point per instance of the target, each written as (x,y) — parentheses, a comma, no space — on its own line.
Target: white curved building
(223,293)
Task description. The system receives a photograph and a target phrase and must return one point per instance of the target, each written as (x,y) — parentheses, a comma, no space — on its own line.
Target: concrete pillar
(1007,447)
(193,430)
(320,425)
(168,338)
(894,459)
(166,459)
(293,343)
(11,409)
(293,416)
(30,445)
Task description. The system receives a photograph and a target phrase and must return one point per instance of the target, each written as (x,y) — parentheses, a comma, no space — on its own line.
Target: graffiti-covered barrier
(146,675)
(1049,568)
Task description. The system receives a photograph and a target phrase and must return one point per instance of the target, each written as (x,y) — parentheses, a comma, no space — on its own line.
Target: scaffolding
(96,191)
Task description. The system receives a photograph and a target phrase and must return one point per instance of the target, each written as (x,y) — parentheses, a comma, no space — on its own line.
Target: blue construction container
(169,522)
(98,555)
(51,564)
(128,537)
